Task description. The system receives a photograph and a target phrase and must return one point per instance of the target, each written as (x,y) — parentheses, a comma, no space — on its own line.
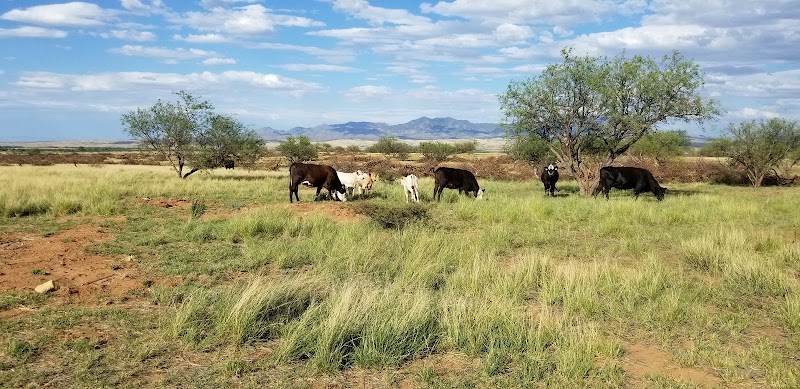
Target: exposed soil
(79,276)
(642,360)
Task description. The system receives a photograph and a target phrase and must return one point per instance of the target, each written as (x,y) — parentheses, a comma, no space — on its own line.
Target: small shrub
(393,216)
(198,208)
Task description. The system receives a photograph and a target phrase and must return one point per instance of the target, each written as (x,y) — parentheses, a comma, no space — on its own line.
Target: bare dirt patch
(79,276)
(642,360)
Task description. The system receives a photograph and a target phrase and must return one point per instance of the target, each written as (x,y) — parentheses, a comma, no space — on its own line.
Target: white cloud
(129,35)
(144,81)
(299,67)
(31,32)
(220,61)
(247,20)
(204,38)
(413,74)
(512,33)
(542,12)
(140,6)
(77,14)
(174,54)
(377,15)
(334,56)
(367,92)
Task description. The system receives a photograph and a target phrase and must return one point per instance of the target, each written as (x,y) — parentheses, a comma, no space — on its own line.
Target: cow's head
(551,169)
(341,196)
(479,193)
(660,192)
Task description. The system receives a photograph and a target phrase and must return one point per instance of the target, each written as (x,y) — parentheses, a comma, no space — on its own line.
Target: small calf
(410,187)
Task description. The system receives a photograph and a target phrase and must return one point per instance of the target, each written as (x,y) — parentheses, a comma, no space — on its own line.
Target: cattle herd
(344,186)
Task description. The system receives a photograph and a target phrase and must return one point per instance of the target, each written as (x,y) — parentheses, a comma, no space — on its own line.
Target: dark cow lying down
(624,177)
(452,178)
(318,176)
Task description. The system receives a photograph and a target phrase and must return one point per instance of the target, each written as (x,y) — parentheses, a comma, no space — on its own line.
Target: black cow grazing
(549,179)
(318,176)
(625,177)
(228,163)
(452,178)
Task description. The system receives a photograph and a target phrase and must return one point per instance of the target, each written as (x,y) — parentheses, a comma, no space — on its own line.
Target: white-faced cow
(410,187)
(549,179)
(625,177)
(452,178)
(351,180)
(318,176)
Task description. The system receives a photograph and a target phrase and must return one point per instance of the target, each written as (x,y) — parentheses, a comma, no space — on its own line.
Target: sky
(70,70)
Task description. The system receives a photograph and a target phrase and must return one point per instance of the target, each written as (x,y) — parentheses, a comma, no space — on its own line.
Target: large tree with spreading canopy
(590,110)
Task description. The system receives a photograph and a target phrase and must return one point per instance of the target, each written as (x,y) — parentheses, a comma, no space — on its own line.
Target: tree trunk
(190,172)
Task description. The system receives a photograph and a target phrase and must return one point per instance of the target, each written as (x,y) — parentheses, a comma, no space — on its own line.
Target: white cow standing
(411,187)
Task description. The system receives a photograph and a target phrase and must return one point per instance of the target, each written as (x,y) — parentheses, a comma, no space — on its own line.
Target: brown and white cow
(318,176)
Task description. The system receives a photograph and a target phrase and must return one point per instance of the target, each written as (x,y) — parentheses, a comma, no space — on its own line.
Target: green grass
(535,290)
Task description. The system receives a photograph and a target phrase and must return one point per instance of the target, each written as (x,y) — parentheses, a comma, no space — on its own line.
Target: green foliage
(390,215)
(187,132)
(436,151)
(615,101)
(390,147)
(761,148)
(527,148)
(228,140)
(298,149)
(465,147)
(198,208)
(717,147)
(353,149)
(662,145)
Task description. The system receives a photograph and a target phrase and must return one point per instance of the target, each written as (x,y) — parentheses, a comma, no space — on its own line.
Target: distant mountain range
(423,128)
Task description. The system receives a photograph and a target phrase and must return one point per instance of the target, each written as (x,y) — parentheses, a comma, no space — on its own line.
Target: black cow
(228,163)
(317,176)
(549,179)
(452,178)
(625,177)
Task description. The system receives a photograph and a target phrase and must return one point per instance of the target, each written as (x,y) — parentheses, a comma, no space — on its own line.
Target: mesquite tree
(762,147)
(187,132)
(591,110)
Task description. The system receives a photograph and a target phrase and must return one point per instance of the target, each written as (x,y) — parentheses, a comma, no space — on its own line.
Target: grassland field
(217,281)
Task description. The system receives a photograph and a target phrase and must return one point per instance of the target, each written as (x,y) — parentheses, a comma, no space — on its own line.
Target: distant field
(217,281)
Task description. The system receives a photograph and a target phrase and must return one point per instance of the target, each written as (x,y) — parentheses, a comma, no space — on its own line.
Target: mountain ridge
(423,128)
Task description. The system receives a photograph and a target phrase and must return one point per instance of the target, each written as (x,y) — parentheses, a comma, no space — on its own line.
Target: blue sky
(70,70)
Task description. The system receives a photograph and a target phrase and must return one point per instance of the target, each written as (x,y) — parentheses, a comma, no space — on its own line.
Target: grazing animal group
(343,186)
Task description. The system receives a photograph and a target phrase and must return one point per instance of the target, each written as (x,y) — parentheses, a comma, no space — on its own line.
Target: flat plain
(216,280)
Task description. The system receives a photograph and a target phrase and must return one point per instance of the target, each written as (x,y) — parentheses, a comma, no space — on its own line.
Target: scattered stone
(46,287)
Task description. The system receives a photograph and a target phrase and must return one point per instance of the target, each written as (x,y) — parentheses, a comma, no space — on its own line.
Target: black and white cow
(452,178)
(625,177)
(549,179)
(318,176)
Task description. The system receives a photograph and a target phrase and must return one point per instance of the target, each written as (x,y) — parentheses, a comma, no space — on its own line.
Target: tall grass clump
(791,312)
(475,325)
(243,314)
(711,251)
(363,324)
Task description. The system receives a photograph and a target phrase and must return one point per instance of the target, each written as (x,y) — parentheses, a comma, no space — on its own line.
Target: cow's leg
(293,189)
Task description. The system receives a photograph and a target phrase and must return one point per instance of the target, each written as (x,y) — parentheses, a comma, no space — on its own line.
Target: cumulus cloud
(31,32)
(75,14)
(202,38)
(246,20)
(144,7)
(334,56)
(543,12)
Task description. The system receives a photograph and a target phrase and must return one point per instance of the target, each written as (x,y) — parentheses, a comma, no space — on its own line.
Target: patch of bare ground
(643,360)
(79,276)
(337,212)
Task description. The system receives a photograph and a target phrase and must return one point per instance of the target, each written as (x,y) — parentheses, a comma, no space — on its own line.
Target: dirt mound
(79,276)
